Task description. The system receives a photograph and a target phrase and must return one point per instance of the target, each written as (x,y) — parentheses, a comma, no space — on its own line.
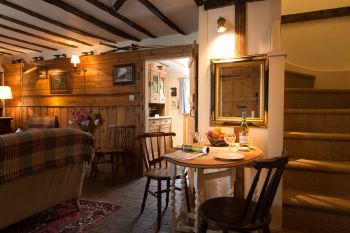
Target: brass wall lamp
(76,60)
(221,24)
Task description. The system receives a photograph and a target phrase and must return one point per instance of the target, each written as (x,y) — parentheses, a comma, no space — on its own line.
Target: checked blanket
(32,151)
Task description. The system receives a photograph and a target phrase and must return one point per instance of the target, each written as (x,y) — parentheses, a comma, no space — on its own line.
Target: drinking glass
(230,139)
(196,136)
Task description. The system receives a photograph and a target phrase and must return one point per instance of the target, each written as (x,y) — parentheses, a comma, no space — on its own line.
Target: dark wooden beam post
(27,42)
(240,28)
(36,36)
(316,15)
(91,19)
(31,26)
(110,11)
(19,46)
(5,53)
(160,15)
(54,22)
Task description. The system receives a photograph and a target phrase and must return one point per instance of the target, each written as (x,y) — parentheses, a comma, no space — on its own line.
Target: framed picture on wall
(60,83)
(123,74)
(42,72)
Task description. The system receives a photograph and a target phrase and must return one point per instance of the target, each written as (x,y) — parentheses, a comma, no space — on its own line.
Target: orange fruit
(218,130)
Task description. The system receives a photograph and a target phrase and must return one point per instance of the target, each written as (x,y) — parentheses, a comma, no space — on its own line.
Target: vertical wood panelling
(93,91)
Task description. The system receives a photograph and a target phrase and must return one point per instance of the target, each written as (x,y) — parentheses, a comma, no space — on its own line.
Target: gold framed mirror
(239,85)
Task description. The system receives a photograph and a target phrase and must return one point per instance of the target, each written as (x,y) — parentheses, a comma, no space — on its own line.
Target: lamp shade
(5,93)
(75,59)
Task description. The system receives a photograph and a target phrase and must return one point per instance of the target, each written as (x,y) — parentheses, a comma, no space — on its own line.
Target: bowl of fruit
(216,137)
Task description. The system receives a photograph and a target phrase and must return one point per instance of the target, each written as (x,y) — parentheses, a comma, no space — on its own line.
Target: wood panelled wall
(93,91)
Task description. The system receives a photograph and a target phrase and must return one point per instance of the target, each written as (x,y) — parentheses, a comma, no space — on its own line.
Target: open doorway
(169,101)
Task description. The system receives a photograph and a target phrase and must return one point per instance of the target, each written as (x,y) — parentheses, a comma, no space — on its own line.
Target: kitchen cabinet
(157,84)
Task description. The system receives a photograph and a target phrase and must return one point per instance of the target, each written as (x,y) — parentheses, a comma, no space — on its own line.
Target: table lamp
(5,94)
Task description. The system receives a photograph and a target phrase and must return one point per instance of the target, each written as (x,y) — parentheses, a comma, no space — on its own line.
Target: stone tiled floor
(127,192)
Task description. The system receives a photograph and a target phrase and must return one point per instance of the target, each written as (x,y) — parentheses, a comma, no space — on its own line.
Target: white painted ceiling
(184,13)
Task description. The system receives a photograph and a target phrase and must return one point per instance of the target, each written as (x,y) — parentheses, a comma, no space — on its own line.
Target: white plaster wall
(260,18)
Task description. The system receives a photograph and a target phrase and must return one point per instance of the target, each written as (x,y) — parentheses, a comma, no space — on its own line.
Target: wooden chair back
(154,146)
(274,168)
(118,136)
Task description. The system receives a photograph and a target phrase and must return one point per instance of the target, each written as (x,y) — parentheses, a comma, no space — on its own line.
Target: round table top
(209,161)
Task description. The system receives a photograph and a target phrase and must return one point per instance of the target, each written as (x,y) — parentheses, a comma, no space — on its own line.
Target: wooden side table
(5,125)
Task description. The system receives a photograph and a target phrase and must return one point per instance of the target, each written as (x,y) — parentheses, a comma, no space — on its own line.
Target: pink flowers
(85,119)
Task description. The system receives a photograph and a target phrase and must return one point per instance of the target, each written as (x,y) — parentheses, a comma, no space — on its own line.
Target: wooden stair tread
(300,75)
(313,90)
(335,111)
(320,166)
(318,136)
(316,201)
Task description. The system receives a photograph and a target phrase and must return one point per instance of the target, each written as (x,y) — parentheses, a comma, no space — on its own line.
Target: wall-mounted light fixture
(221,24)
(76,60)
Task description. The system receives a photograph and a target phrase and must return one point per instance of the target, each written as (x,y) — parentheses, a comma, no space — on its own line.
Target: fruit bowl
(217,142)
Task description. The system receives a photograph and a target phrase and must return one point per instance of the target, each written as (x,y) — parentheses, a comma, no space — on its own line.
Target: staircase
(316,182)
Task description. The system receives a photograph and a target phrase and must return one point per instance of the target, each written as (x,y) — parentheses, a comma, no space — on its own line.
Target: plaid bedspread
(42,122)
(32,151)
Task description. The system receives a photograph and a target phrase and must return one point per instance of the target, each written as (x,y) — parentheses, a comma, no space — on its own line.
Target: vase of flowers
(84,120)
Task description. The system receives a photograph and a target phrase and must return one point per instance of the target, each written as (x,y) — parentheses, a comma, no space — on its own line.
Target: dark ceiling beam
(117,4)
(28,42)
(110,11)
(315,15)
(5,53)
(13,50)
(198,2)
(19,46)
(31,26)
(213,4)
(36,36)
(91,19)
(54,22)
(160,15)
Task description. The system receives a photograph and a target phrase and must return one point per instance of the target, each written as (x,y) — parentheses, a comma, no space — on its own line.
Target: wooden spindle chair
(245,215)
(118,137)
(154,146)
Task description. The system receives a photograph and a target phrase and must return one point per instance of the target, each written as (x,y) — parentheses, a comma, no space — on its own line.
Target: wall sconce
(76,60)
(221,24)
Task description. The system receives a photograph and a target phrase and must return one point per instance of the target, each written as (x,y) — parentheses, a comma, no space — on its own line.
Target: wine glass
(230,139)
(196,137)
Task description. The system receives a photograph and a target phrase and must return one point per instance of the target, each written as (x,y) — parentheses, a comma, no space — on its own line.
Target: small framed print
(42,72)
(60,83)
(123,74)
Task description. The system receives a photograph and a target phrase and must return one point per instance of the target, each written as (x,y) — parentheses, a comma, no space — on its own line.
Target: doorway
(170,91)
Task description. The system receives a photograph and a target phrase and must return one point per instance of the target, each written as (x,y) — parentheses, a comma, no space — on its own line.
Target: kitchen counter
(160,117)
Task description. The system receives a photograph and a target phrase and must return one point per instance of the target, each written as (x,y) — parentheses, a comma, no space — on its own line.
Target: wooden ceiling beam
(36,36)
(31,26)
(213,4)
(27,42)
(315,15)
(117,4)
(54,22)
(199,2)
(110,11)
(91,19)
(13,50)
(19,46)
(161,16)
(5,53)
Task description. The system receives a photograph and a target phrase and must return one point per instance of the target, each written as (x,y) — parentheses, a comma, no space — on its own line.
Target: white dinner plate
(230,156)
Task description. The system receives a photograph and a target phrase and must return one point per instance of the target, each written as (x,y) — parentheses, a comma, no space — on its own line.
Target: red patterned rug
(65,218)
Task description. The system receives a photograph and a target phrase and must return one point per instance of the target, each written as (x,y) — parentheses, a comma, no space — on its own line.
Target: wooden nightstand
(5,125)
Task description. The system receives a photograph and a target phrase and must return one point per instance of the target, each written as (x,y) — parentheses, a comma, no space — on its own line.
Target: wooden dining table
(206,167)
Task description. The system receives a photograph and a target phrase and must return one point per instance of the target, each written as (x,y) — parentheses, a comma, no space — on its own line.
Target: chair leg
(266,229)
(94,166)
(124,162)
(167,193)
(203,226)
(113,164)
(187,195)
(145,195)
(159,204)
